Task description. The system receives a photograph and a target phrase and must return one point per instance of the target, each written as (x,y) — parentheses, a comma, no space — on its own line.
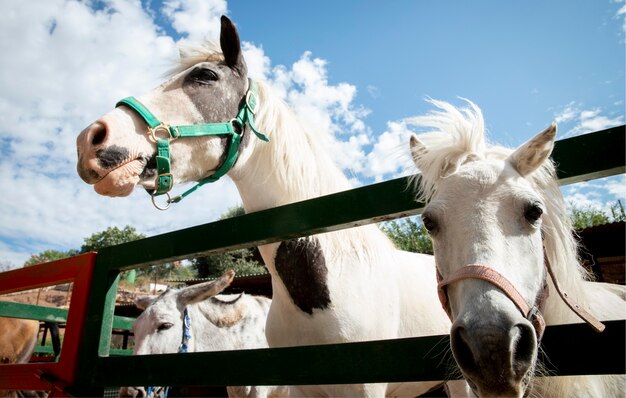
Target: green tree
(587,217)
(110,237)
(617,211)
(48,255)
(244,261)
(409,234)
(115,236)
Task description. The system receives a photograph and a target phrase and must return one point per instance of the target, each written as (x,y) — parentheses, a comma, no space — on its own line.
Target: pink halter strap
(477,271)
(532,313)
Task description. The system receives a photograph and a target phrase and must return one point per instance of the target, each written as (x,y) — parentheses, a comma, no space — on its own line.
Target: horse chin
(518,391)
(120,181)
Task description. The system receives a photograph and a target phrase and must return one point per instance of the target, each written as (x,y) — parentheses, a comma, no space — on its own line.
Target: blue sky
(520,61)
(354,70)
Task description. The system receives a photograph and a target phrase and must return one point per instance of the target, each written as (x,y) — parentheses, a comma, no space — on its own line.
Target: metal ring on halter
(161,126)
(237,126)
(169,202)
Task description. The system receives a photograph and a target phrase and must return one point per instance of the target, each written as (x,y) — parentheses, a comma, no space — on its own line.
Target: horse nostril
(462,350)
(98,135)
(523,348)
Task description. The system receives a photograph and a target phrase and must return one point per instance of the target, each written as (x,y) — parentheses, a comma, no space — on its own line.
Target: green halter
(234,129)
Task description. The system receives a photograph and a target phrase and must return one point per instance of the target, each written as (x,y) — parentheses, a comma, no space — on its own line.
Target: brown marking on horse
(18,338)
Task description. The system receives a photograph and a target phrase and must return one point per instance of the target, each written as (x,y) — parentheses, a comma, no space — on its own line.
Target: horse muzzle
(113,169)
(495,360)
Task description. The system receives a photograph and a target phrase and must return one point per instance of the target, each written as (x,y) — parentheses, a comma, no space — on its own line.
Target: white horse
(196,318)
(344,286)
(494,214)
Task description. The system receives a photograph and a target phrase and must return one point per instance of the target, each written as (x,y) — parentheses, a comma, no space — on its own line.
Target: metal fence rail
(578,159)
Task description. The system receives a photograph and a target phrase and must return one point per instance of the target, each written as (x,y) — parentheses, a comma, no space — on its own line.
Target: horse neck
(294,166)
(291,167)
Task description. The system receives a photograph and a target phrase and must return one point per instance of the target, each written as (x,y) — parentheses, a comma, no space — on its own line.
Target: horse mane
(304,169)
(298,158)
(457,136)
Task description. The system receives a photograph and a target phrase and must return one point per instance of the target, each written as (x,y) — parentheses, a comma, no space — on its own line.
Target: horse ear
(231,46)
(532,154)
(144,302)
(200,292)
(418,150)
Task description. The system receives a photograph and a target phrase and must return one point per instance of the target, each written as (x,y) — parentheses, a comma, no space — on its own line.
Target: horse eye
(533,213)
(165,326)
(428,222)
(203,76)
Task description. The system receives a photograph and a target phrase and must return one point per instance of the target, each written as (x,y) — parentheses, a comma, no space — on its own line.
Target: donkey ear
(231,46)
(144,302)
(225,313)
(532,154)
(200,292)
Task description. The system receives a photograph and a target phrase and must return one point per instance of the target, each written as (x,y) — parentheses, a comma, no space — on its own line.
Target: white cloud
(621,14)
(567,114)
(257,62)
(599,194)
(389,157)
(573,120)
(617,187)
(328,109)
(373,91)
(196,19)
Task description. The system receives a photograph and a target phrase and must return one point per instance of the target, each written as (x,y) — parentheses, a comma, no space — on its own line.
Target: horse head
(484,215)
(141,140)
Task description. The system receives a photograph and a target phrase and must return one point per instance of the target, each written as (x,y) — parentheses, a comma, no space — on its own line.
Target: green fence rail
(578,159)
(51,314)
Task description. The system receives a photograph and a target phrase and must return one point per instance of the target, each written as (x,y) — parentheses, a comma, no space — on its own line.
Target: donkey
(196,318)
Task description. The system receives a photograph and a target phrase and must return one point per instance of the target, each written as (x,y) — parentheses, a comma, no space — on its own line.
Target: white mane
(304,168)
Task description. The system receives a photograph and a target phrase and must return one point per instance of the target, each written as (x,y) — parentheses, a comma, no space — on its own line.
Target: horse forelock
(453,136)
(193,54)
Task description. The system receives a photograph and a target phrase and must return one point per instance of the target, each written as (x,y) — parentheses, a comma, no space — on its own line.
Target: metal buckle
(153,132)
(532,313)
(251,101)
(158,181)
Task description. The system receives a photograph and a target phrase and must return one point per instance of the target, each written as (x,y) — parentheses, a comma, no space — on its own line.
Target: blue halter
(153,392)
